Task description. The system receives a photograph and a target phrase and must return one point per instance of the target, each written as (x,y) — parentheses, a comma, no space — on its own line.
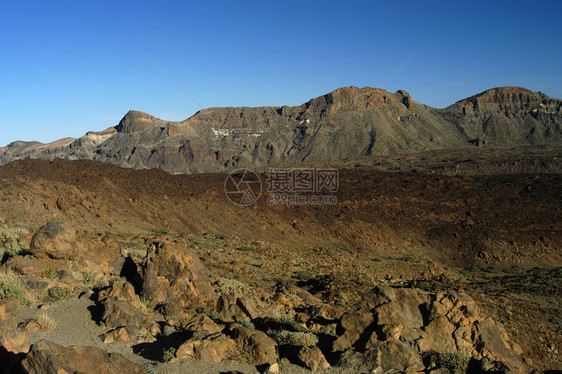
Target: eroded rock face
(46,357)
(174,275)
(394,328)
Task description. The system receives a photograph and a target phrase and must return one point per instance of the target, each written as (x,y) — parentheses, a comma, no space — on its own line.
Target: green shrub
(455,362)
(290,323)
(409,257)
(11,287)
(225,286)
(492,269)
(212,314)
(424,285)
(168,354)
(89,277)
(55,293)
(101,284)
(247,324)
(283,337)
(10,244)
(304,275)
(49,271)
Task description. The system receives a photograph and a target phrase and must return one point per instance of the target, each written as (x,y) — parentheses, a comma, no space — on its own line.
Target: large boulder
(59,240)
(213,347)
(312,358)
(46,357)
(122,308)
(201,322)
(13,340)
(120,313)
(258,348)
(175,276)
(236,309)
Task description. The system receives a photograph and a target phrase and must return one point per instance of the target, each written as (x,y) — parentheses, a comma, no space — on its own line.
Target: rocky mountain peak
(355,99)
(136,120)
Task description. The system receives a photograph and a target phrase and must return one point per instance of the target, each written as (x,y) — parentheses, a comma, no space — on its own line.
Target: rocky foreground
(150,289)
(111,270)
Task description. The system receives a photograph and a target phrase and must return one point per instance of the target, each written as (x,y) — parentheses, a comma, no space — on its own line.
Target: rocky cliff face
(345,124)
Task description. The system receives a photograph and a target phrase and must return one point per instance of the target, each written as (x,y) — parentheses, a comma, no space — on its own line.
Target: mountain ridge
(344,124)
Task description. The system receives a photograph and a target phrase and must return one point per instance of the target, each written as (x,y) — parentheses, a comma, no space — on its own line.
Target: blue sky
(67,67)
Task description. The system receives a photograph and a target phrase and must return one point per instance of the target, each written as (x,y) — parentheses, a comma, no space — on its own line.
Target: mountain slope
(345,124)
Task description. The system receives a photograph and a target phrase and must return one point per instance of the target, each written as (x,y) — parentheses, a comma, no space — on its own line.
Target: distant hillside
(345,124)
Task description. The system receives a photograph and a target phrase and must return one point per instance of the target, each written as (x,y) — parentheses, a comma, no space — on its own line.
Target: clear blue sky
(67,67)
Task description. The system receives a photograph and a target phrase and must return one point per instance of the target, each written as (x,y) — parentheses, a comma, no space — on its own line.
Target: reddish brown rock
(59,240)
(174,275)
(119,313)
(233,309)
(46,357)
(354,325)
(495,345)
(14,341)
(312,358)
(9,307)
(213,347)
(117,335)
(258,348)
(120,290)
(202,322)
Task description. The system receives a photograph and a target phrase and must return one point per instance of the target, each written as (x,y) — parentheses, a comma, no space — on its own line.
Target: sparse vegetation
(289,323)
(46,322)
(424,285)
(10,244)
(304,275)
(11,287)
(284,337)
(212,314)
(147,302)
(455,362)
(49,271)
(55,293)
(248,248)
(101,284)
(168,354)
(237,289)
(409,257)
(247,324)
(89,277)
(186,317)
